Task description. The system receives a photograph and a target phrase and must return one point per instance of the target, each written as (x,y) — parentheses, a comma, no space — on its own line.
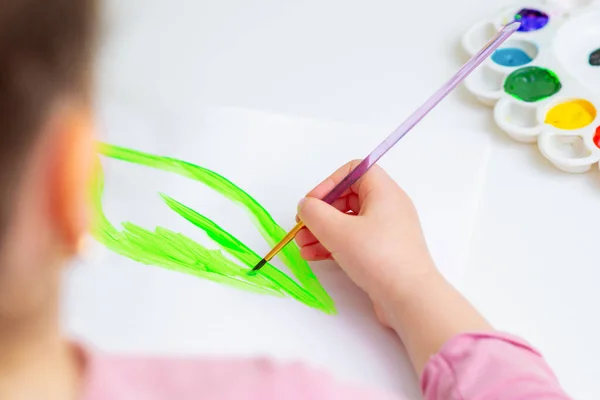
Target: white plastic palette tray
(544,82)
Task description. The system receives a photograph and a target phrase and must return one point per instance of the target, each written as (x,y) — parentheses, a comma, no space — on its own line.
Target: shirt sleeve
(489,366)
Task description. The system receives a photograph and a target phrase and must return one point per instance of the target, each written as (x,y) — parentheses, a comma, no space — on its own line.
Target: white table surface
(534,267)
(531,267)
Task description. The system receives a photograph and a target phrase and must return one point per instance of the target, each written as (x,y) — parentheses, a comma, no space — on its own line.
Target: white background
(304,86)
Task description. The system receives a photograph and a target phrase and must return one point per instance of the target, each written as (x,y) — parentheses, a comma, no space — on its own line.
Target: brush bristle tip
(259,265)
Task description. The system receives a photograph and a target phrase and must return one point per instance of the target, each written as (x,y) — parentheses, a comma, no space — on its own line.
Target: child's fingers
(328,184)
(376,181)
(315,252)
(353,203)
(305,238)
(345,204)
(323,188)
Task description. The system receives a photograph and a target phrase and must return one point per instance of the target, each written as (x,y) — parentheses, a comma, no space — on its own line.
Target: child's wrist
(416,275)
(399,296)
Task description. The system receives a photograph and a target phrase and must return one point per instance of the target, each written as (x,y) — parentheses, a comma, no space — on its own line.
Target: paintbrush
(400,132)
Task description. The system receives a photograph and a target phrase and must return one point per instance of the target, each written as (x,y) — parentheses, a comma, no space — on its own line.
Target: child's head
(46,146)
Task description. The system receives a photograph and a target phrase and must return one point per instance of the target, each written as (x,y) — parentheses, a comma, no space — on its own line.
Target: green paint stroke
(177,252)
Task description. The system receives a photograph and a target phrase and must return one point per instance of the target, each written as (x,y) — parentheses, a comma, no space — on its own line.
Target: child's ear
(74,163)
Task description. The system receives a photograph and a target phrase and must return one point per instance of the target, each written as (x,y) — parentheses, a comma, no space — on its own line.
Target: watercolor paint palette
(544,82)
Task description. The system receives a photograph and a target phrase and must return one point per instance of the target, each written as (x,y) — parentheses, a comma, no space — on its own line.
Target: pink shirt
(473,366)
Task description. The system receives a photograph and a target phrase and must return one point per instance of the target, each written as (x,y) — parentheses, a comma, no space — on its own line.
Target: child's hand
(383,251)
(373,233)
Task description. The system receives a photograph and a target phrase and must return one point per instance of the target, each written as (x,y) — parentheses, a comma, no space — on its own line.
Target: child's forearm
(429,314)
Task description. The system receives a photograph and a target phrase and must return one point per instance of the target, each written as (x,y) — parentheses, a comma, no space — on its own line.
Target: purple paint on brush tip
(531,20)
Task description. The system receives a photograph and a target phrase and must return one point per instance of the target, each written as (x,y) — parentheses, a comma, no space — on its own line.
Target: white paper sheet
(120,305)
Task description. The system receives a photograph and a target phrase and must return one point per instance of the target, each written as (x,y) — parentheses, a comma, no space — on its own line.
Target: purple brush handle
(420,113)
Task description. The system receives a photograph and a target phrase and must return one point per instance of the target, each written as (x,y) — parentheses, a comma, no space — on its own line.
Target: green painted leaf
(177,252)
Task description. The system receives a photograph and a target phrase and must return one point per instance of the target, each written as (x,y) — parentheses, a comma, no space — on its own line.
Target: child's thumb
(324,221)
